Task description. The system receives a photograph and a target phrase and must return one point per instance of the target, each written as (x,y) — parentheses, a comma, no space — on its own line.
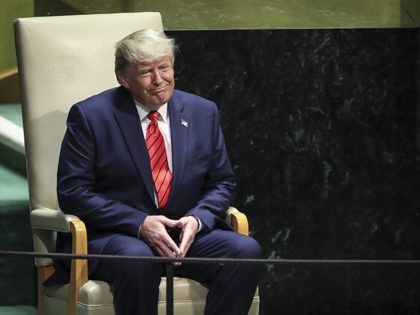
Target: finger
(158,251)
(186,242)
(169,223)
(164,250)
(188,222)
(169,248)
(162,243)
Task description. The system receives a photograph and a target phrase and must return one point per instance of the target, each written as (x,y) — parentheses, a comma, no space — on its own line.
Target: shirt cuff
(200,225)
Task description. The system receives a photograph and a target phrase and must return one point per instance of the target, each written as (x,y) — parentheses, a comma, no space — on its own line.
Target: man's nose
(156,77)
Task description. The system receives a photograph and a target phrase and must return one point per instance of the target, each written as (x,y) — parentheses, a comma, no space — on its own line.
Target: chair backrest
(62,60)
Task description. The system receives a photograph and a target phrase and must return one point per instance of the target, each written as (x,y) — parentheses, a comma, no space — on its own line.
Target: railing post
(169,289)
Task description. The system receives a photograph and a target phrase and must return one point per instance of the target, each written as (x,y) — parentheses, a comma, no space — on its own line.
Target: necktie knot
(153,116)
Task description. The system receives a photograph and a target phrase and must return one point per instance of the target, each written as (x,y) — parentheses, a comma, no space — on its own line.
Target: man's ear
(121,78)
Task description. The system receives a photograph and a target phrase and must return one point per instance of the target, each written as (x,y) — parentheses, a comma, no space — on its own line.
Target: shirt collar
(143,111)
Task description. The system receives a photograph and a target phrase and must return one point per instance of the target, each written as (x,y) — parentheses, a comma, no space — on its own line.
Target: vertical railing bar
(169,289)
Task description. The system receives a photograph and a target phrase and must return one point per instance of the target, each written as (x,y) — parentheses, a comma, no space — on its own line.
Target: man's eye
(144,73)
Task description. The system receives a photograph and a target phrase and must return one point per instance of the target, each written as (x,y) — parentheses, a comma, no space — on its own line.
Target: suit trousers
(136,283)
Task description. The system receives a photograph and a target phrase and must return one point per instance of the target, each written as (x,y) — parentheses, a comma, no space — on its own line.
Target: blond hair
(143,46)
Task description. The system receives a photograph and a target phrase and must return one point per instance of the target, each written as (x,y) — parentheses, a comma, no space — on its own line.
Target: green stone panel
(10,10)
(253,14)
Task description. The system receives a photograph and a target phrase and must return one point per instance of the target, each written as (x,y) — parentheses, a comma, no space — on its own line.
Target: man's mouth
(158,90)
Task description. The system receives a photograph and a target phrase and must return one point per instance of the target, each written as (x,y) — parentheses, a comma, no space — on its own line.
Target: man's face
(151,83)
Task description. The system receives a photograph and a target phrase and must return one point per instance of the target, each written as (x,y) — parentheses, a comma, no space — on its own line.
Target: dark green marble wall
(322,130)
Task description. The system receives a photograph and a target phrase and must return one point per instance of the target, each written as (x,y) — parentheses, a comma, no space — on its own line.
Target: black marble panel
(322,130)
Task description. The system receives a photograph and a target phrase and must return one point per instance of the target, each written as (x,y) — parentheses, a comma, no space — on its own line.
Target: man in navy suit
(106,178)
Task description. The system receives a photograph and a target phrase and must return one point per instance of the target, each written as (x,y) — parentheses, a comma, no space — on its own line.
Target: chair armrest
(51,219)
(238,220)
(79,267)
(56,220)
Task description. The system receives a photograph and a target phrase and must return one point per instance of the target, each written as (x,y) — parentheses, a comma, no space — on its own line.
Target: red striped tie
(161,174)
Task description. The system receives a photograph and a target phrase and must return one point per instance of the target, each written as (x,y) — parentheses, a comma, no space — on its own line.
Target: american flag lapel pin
(184,123)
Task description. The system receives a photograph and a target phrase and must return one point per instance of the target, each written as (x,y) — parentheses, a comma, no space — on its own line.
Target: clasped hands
(155,231)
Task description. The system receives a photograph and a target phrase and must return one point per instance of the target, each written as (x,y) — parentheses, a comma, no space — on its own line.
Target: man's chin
(161,98)
(156,104)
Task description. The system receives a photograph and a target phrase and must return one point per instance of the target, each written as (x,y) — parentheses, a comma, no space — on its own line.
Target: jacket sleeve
(76,181)
(219,184)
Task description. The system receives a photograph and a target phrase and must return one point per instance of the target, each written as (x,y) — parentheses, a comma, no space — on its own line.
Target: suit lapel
(129,123)
(179,137)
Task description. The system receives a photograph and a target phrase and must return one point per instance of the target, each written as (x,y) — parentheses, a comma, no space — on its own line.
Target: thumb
(169,223)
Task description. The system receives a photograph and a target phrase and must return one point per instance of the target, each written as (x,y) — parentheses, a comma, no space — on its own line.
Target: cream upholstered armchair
(63,60)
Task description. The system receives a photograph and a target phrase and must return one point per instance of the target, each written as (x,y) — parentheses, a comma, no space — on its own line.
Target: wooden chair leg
(43,274)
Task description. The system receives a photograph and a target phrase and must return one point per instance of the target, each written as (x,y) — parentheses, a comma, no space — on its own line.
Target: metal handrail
(170,262)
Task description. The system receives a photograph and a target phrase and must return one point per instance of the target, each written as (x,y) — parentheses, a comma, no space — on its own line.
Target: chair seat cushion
(96,292)
(95,298)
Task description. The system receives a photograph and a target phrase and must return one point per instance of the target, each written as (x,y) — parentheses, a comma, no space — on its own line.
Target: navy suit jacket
(104,174)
